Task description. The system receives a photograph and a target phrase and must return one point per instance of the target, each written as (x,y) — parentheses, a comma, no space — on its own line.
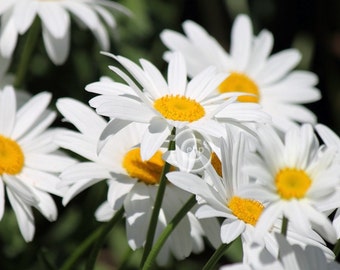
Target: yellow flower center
(146,171)
(11,156)
(216,163)
(179,108)
(247,210)
(292,183)
(239,82)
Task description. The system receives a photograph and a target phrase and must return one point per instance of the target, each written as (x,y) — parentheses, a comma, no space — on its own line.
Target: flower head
(132,181)
(18,16)
(174,103)
(249,68)
(29,161)
(296,177)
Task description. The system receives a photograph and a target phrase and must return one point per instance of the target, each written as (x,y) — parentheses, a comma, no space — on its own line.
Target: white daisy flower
(17,16)
(295,177)
(249,68)
(29,162)
(332,140)
(219,194)
(165,105)
(292,257)
(133,183)
(219,197)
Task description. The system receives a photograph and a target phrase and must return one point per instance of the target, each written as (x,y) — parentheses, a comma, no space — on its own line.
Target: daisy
(292,257)
(218,196)
(17,16)
(218,192)
(332,140)
(133,183)
(172,104)
(29,161)
(249,68)
(295,176)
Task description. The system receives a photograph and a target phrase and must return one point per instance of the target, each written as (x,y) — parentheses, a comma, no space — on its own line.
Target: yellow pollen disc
(179,108)
(292,183)
(146,171)
(216,163)
(247,210)
(11,156)
(238,82)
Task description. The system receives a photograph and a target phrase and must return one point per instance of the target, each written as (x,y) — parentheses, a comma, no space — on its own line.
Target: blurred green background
(312,26)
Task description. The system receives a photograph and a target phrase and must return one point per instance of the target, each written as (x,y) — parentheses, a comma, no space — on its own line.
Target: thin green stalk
(30,43)
(167,231)
(70,263)
(157,206)
(284,226)
(336,249)
(216,256)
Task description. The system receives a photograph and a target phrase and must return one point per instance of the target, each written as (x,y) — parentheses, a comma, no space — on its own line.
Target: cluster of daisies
(225,130)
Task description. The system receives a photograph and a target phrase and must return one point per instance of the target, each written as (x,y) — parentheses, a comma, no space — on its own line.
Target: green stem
(167,231)
(30,43)
(101,239)
(336,249)
(284,226)
(84,246)
(157,206)
(216,256)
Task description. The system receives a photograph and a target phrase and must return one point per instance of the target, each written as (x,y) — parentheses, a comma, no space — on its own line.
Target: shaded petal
(231,229)
(55,19)
(241,39)
(56,48)
(278,65)
(7,111)
(154,136)
(23,214)
(177,74)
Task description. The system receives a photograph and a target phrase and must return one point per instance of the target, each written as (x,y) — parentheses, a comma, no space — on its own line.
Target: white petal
(2,198)
(56,48)
(118,191)
(29,113)
(262,47)
(241,38)
(231,229)
(206,211)
(266,220)
(82,171)
(81,116)
(7,111)
(126,109)
(159,85)
(46,205)
(138,212)
(154,136)
(48,162)
(41,180)
(24,14)
(104,212)
(41,124)
(21,189)
(78,187)
(77,143)
(328,135)
(55,19)
(278,65)
(24,216)
(177,74)
(9,36)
